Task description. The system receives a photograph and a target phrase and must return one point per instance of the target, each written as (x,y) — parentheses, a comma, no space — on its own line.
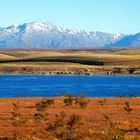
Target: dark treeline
(87,62)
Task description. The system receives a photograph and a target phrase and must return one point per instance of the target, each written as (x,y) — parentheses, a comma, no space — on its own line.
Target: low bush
(16,115)
(44,104)
(74,100)
(69,100)
(102,102)
(116,70)
(127,107)
(81,101)
(131,70)
(41,106)
(39,116)
(64,127)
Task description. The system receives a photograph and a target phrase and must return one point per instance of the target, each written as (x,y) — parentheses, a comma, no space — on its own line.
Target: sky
(112,16)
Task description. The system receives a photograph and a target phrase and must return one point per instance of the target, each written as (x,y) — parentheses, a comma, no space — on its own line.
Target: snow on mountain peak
(117,36)
(39,26)
(38,34)
(15,25)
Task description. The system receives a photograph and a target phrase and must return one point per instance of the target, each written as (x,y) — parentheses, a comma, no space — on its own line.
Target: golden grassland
(121,58)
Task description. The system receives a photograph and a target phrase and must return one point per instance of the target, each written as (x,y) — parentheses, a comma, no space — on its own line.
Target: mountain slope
(130,40)
(42,35)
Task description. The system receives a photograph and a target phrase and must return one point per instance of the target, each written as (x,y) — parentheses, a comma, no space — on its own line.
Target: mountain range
(43,35)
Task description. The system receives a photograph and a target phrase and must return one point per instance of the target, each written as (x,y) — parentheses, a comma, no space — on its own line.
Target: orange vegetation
(96,118)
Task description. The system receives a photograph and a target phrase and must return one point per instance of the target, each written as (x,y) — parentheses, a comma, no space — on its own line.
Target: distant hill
(128,40)
(43,35)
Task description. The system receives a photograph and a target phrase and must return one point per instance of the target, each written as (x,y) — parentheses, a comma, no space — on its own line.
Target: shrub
(16,115)
(64,127)
(102,102)
(116,70)
(74,120)
(44,104)
(41,106)
(131,70)
(81,101)
(50,102)
(69,100)
(73,100)
(128,108)
(39,116)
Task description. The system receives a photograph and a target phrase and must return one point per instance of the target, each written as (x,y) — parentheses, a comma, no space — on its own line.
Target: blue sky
(114,16)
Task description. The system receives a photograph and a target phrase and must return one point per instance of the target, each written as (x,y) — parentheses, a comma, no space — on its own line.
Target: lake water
(91,86)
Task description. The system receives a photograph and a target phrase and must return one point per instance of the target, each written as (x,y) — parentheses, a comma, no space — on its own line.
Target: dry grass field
(88,119)
(116,61)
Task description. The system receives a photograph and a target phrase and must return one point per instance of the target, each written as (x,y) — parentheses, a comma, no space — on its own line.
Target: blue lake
(91,86)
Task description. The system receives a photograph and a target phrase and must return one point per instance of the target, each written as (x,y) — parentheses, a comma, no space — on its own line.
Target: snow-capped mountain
(43,35)
(128,40)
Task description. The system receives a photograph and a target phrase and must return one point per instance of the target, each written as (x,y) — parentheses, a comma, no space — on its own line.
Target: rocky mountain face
(42,35)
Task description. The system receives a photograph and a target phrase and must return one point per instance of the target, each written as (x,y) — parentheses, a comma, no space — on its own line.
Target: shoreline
(40,74)
(55,97)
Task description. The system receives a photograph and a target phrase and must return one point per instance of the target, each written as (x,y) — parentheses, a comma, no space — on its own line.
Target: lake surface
(91,86)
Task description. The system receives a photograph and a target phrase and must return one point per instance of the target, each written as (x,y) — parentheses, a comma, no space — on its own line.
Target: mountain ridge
(43,35)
